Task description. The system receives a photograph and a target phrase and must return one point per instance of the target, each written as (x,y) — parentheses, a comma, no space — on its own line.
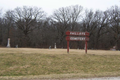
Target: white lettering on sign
(73,33)
(78,38)
(77,33)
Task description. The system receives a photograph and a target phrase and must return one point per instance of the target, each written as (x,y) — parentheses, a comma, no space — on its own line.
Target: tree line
(30,27)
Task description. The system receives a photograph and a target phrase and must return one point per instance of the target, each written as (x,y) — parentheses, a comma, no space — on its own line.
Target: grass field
(18,63)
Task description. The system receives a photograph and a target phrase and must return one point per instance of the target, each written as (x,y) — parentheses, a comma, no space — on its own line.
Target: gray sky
(50,5)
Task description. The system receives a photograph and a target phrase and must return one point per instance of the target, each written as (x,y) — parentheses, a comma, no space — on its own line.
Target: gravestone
(55,46)
(8,44)
(113,49)
(16,46)
(49,47)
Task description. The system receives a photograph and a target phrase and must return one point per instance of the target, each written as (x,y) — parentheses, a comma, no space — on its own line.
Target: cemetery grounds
(36,63)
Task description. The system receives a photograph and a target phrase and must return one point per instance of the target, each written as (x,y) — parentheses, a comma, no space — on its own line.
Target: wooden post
(67,46)
(86,46)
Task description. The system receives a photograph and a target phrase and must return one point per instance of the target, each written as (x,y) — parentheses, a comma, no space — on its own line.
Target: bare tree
(102,26)
(4,22)
(9,21)
(114,17)
(76,15)
(89,23)
(95,23)
(26,19)
(66,19)
(47,34)
(1,38)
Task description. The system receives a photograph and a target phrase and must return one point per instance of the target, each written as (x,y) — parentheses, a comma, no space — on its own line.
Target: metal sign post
(70,38)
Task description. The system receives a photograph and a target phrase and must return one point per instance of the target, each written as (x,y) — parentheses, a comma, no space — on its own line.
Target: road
(104,78)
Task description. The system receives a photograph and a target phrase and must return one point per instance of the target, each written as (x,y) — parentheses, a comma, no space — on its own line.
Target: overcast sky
(50,5)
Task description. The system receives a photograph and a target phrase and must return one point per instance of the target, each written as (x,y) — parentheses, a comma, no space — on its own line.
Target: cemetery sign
(76,37)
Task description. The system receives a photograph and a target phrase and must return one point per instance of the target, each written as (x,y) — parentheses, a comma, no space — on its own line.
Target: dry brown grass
(29,63)
(57,51)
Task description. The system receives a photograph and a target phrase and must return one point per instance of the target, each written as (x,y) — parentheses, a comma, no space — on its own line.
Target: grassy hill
(57,63)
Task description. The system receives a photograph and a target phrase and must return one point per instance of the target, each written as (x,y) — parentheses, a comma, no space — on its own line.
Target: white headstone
(55,46)
(85,47)
(16,46)
(8,44)
(49,47)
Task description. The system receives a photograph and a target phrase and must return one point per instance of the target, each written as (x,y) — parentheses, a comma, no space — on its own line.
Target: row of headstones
(54,46)
(8,44)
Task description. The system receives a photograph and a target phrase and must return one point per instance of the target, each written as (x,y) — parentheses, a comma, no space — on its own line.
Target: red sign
(70,33)
(77,33)
(77,38)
